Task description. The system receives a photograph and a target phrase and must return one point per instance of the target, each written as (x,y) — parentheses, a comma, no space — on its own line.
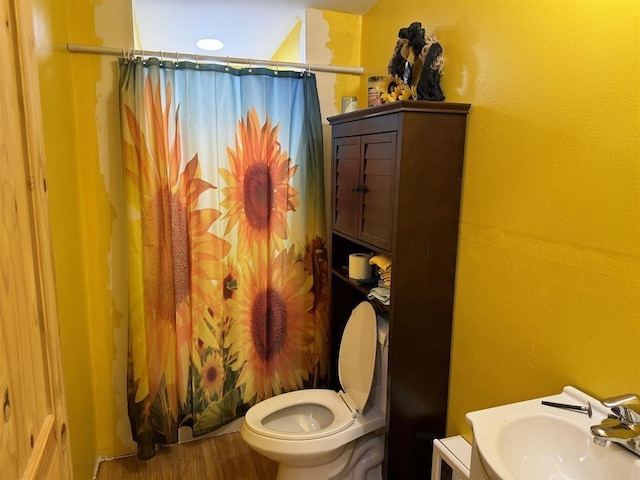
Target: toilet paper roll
(359,268)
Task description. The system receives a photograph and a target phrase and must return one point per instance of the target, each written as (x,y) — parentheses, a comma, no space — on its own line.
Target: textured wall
(548,280)
(99,151)
(82,141)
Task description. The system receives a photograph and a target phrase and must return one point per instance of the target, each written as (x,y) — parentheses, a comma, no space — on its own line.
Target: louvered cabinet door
(377,180)
(346,185)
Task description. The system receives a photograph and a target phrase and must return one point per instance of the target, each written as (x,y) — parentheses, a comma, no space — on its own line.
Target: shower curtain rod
(120,52)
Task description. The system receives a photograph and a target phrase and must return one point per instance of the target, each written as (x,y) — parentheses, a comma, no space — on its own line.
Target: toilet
(320,434)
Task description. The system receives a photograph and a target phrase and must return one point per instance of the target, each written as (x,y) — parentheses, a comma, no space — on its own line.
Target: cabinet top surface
(402,106)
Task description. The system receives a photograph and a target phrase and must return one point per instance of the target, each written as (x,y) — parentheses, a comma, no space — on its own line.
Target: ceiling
(248,28)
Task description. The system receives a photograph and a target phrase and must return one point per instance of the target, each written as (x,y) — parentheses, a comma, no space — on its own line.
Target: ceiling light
(209,44)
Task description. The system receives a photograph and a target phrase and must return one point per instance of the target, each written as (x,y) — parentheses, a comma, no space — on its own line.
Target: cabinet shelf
(343,274)
(367,246)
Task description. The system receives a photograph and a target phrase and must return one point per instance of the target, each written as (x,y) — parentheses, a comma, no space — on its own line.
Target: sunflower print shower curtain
(226,228)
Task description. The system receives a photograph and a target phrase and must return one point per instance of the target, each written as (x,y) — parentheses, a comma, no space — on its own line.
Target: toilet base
(361,460)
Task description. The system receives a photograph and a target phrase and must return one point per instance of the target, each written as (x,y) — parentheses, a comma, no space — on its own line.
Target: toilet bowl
(322,434)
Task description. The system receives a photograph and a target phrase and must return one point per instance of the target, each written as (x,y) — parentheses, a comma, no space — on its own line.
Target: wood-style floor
(224,457)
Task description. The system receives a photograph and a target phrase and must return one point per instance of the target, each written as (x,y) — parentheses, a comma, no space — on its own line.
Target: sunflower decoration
(272,326)
(212,376)
(418,59)
(315,260)
(258,194)
(394,89)
(180,252)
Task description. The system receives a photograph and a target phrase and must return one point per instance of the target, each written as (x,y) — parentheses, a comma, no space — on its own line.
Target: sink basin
(528,440)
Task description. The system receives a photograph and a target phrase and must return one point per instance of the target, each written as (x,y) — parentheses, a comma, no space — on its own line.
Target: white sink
(528,440)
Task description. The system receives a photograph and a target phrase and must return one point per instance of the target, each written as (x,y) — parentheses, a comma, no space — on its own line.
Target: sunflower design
(315,260)
(180,254)
(230,281)
(272,326)
(258,195)
(394,89)
(212,375)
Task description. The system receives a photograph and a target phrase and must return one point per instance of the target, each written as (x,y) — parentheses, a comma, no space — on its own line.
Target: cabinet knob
(357,188)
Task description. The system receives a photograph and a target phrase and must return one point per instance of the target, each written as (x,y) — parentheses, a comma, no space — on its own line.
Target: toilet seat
(330,400)
(356,365)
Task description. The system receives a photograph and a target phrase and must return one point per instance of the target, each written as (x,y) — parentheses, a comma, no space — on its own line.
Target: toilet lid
(357,358)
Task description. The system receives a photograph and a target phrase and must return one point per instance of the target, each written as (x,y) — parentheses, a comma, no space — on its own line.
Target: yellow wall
(345,33)
(289,49)
(81,127)
(55,73)
(99,150)
(548,279)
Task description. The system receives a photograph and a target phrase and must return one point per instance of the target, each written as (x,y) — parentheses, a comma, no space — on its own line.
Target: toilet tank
(379,388)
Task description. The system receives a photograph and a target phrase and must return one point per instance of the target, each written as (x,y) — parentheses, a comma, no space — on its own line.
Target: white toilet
(320,434)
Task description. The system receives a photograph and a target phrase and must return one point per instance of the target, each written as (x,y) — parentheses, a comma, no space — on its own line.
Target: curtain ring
(302,69)
(226,68)
(277,68)
(250,67)
(161,58)
(177,59)
(197,62)
(144,62)
(308,69)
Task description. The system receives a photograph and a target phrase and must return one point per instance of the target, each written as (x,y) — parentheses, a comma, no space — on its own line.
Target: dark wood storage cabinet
(396,180)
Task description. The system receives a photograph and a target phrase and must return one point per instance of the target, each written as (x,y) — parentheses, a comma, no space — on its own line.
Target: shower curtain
(227,259)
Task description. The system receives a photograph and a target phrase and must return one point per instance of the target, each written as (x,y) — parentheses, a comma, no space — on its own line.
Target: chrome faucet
(622,426)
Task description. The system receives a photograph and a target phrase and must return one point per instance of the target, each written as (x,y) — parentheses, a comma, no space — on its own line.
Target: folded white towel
(382,294)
